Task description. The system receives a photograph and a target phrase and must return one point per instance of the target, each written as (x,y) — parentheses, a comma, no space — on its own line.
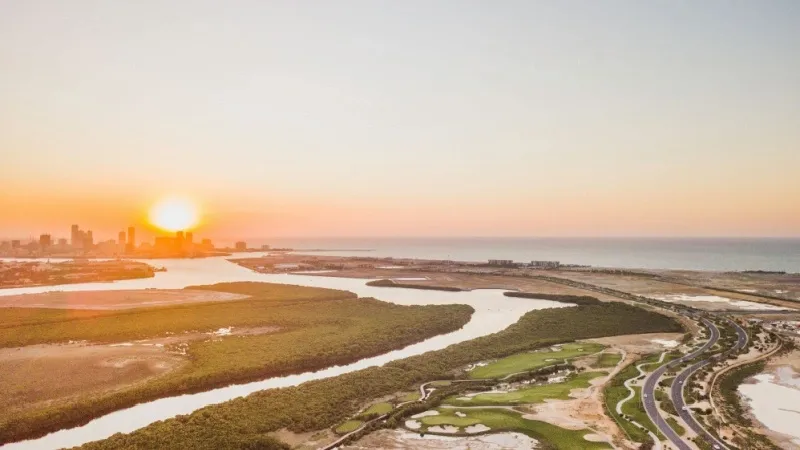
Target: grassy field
(504,420)
(535,394)
(408,397)
(533,360)
(379,408)
(607,360)
(635,409)
(316,405)
(318,328)
(347,427)
(676,426)
(616,391)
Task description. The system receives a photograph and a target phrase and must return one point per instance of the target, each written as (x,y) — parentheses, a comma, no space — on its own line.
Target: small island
(40,273)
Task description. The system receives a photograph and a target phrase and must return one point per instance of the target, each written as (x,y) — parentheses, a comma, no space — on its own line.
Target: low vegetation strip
(563,298)
(320,404)
(392,283)
(318,330)
(533,360)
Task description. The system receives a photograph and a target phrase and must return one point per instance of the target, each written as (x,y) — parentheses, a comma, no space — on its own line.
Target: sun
(174,214)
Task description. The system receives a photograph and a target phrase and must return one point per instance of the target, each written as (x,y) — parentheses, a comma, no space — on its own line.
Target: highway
(680,382)
(649,388)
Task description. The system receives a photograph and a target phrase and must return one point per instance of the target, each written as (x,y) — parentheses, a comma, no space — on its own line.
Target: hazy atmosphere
(399,225)
(355,118)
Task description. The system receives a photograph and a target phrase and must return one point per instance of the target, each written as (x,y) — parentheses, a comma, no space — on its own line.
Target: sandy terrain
(776,285)
(305,441)
(652,288)
(36,375)
(115,299)
(396,439)
(639,344)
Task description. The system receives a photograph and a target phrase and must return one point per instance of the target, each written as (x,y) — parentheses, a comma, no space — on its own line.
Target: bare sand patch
(38,375)
(639,343)
(112,300)
(398,439)
(309,440)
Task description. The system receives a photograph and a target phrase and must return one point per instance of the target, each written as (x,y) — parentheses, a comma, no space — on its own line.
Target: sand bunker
(413,424)
(447,429)
(477,428)
(425,414)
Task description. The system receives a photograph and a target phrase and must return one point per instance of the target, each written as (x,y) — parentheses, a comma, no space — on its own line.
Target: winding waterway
(493,312)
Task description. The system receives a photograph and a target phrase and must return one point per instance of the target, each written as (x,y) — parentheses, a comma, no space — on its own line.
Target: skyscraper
(76,240)
(131,247)
(45,241)
(179,240)
(121,241)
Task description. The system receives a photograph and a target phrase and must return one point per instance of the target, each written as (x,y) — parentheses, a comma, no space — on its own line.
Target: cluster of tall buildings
(82,243)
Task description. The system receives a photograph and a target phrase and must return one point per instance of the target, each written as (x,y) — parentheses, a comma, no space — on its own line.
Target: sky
(403,118)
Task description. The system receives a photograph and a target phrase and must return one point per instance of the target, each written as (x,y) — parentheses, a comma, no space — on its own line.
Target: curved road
(649,388)
(680,382)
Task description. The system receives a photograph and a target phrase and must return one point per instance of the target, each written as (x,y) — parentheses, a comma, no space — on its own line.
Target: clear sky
(435,118)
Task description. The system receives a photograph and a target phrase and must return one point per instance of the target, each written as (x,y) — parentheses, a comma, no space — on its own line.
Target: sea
(712,254)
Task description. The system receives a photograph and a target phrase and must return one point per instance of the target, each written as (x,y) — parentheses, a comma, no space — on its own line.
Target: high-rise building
(62,242)
(76,238)
(88,239)
(15,243)
(179,240)
(45,241)
(131,247)
(241,246)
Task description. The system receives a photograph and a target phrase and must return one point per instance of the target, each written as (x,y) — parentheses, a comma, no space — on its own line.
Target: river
(493,312)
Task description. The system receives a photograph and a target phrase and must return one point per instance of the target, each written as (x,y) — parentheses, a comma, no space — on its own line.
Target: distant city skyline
(440,118)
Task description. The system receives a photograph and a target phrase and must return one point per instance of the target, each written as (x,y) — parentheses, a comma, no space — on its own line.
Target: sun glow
(174,214)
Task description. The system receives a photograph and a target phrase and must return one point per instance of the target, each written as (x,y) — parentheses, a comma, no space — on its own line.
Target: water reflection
(493,312)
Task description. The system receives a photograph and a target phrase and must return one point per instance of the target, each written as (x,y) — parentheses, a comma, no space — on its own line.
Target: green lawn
(533,360)
(347,427)
(534,394)
(378,408)
(408,397)
(616,391)
(635,409)
(676,426)
(607,360)
(504,420)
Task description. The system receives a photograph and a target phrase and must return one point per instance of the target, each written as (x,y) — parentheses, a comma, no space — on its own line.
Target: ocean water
(718,254)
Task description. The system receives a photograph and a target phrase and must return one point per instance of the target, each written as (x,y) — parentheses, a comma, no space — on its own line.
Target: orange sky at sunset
(375,119)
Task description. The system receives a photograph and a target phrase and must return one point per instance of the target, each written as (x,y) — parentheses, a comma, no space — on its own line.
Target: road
(649,389)
(678,385)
